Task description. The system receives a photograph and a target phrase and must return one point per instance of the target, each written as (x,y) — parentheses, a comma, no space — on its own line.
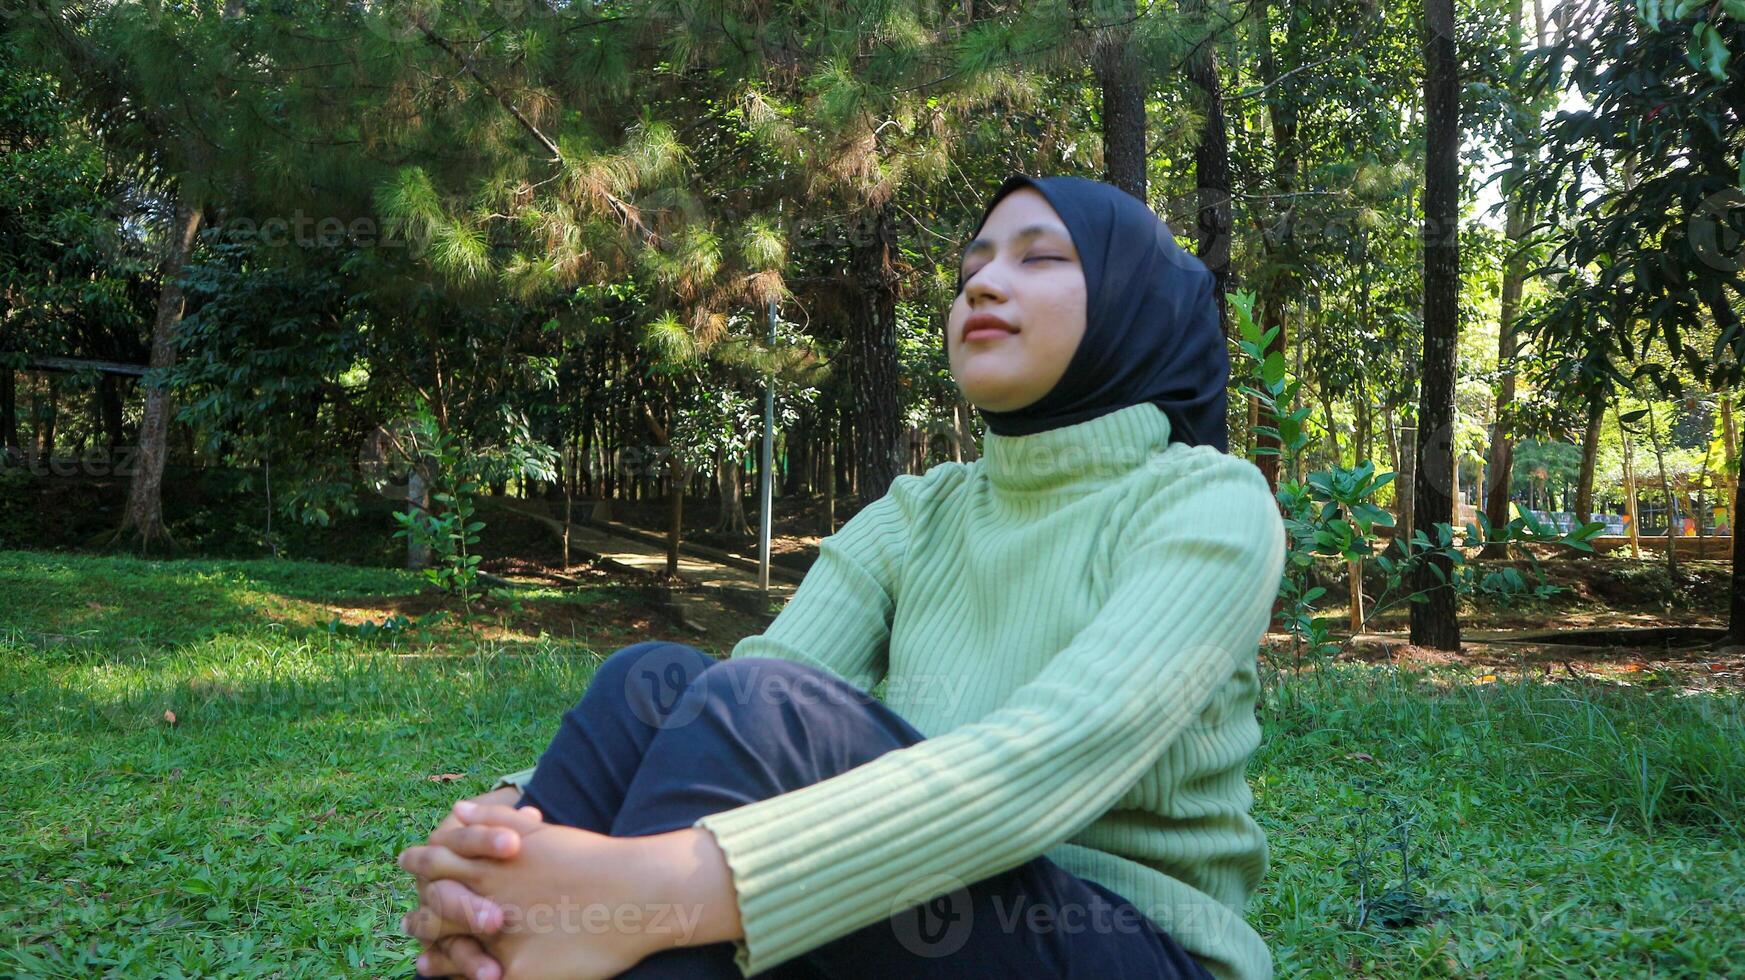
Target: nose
(983,285)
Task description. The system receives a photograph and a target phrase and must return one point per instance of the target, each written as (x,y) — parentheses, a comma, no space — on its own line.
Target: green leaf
(1717,55)
(1273,369)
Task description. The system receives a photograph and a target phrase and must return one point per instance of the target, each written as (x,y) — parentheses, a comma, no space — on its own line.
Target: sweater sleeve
(1194,574)
(839,619)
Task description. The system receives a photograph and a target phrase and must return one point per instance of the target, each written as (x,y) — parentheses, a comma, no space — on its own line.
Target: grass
(111,600)
(1555,829)
(1550,847)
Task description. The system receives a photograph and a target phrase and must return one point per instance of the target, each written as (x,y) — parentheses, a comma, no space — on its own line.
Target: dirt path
(1686,662)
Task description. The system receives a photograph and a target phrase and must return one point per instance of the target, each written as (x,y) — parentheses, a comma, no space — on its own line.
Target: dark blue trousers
(667,733)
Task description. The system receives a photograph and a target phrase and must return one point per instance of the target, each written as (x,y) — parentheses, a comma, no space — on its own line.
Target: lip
(986,325)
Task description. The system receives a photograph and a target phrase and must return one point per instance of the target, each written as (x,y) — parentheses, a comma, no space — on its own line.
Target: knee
(656,665)
(773,682)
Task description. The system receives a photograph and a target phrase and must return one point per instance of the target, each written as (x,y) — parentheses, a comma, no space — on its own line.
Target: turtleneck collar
(1082,454)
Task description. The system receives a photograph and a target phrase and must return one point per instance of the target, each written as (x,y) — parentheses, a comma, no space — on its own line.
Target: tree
(1435,622)
(121,62)
(1641,189)
(1122,88)
(73,283)
(1523,118)
(1211,162)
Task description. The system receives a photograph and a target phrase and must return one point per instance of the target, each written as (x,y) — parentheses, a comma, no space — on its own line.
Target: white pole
(766,469)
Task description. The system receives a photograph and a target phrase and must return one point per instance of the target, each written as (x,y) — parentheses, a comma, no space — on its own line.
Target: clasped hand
(503,895)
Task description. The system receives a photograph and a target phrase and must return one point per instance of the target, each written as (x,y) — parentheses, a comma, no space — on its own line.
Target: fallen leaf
(169,716)
(447,777)
(1486,679)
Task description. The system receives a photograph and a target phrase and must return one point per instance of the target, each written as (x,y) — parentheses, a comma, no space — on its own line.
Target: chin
(984,384)
(992,401)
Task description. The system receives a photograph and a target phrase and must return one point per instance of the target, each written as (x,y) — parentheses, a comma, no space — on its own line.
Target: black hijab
(1151,319)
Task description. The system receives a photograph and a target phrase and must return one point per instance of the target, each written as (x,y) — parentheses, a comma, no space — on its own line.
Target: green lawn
(1558,829)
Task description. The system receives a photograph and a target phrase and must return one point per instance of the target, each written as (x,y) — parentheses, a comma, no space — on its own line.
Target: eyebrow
(1024,234)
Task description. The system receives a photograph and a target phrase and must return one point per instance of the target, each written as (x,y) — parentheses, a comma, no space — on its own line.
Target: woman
(1067,628)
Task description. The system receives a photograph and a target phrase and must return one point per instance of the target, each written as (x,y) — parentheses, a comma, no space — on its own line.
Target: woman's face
(1022,268)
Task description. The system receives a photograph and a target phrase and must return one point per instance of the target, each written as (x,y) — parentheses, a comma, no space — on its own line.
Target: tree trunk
(1630,502)
(1211,164)
(1726,319)
(1121,80)
(1354,577)
(732,520)
(586,486)
(144,516)
(1251,438)
(799,447)
(676,481)
(846,453)
(1730,446)
(1666,494)
(1436,623)
(417,505)
(1519,218)
(1392,437)
(1299,462)
(1478,490)
(569,506)
(1454,489)
(46,414)
(1333,448)
(827,517)
(1702,500)
(872,351)
(1365,424)
(109,399)
(1406,485)
(966,436)
(1277,240)
(1271,317)
(1736,605)
(1590,449)
(9,411)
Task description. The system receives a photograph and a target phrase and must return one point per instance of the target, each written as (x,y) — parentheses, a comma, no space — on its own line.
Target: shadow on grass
(105,606)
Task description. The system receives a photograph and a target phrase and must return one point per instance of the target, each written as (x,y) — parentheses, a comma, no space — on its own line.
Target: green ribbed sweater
(1072,620)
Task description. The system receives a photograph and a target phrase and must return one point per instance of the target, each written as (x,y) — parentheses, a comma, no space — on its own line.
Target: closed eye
(965,274)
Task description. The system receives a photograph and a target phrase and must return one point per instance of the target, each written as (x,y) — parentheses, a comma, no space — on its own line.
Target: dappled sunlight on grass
(74,603)
(66,598)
